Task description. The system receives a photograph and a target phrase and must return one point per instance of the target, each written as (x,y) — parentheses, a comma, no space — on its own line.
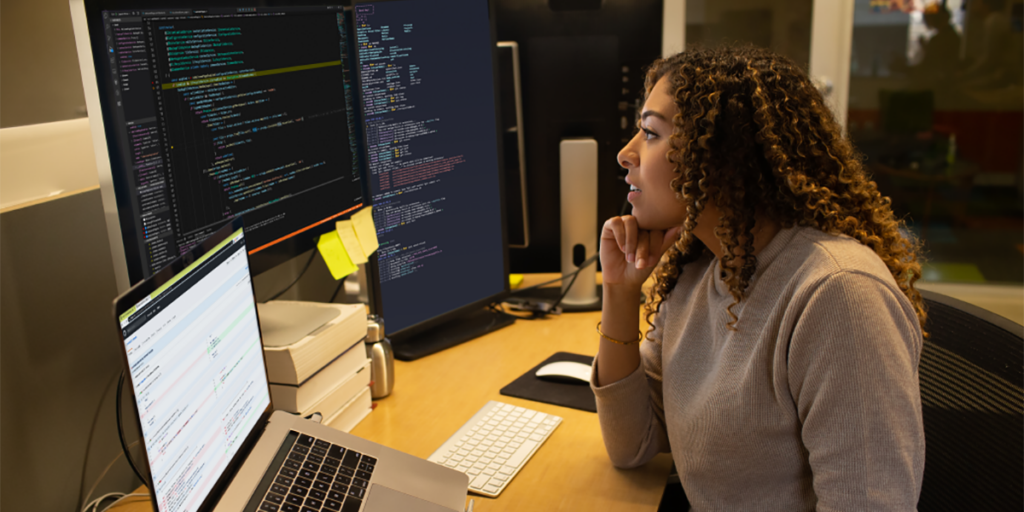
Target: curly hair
(755,137)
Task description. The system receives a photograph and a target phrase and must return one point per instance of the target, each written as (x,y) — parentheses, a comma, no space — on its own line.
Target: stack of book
(323,371)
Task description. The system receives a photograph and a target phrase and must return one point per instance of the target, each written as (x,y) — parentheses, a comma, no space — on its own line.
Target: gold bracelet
(639,337)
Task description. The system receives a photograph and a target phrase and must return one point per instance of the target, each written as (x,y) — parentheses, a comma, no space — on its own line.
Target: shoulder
(819,256)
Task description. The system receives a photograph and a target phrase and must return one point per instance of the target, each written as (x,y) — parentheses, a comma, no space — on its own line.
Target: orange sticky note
(334,254)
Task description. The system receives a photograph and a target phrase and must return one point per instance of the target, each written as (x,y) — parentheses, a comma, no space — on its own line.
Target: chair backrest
(972,373)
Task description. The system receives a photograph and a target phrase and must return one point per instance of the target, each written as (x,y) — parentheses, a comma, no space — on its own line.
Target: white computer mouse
(565,371)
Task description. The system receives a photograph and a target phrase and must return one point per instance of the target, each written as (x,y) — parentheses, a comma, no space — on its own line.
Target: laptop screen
(197,370)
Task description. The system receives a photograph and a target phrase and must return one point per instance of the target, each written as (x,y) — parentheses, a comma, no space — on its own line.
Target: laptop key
(305,473)
(293,464)
(311,466)
(369,460)
(336,496)
(363,474)
(288,507)
(320,495)
(275,498)
(314,503)
(328,469)
(356,482)
(307,509)
(299,491)
(320,443)
(293,499)
(321,486)
(346,471)
(343,480)
(269,507)
(315,458)
(351,505)
(336,452)
(305,440)
(288,472)
(279,489)
(351,459)
(356,492)
(300,449)
(332,462)
(332,505)
(283,480)
(325,478)
(319,451)
(296,456)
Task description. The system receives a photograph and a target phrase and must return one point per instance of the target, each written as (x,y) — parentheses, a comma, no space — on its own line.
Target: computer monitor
(581,68)
(427,76)
(294,114)
(209,110)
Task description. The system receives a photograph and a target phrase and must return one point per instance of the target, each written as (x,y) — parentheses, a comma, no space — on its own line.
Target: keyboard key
(305,473)
(303,482)
(343,480)
(291,464)
(319,451)
(320,495)
(363,474)
(313,503)
(315,458)
(332,462)
(275,498)
(293,499)
(351,459)
(324,477)
(336,496)
(356,492)
(307,509)
(351,505)
(328,469)
(310,466)
(300,449)
(320,443)
(279,489)
(288,472)
(332,505)
(321,486)
(305,440)
(346,471)
(369,460)
(339,487)
(479,482)
(299,491)
(283,480)
(336,452)
(356,482)
(288,507)
(269,507)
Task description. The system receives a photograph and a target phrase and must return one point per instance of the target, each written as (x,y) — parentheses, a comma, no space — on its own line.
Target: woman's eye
(648,135)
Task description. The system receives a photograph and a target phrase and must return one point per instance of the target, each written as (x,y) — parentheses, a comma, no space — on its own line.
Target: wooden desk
(435,395)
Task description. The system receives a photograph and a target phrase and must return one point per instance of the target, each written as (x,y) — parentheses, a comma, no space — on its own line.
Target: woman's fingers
(630,229)
(642,248)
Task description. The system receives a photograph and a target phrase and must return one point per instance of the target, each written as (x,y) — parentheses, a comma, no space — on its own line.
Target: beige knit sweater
(811,404)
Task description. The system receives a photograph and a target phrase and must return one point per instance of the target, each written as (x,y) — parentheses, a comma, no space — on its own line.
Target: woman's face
(645,156)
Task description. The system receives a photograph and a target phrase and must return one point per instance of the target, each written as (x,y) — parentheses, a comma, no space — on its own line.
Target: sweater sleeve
(631,411)
(852,370)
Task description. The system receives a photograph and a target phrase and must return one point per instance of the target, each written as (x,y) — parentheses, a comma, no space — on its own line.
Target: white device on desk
(191,345)
(495,444)
(565,371)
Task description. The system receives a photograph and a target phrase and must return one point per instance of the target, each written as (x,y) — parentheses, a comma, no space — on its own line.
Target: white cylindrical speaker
(578,181)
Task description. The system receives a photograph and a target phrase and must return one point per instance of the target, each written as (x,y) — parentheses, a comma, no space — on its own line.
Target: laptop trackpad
(383,499)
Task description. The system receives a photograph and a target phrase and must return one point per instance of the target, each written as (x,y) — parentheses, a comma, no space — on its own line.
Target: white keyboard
(494,444)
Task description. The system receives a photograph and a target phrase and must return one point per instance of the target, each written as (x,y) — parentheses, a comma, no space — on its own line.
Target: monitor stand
(453,332)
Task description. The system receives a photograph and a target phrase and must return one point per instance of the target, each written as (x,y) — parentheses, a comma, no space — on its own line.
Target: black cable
(341,283)
(88,446)
(574,273)
(120,432)
(567,288)
(286,288)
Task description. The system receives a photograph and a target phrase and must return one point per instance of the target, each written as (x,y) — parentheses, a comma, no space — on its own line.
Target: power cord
(88,446)
(94,505)
(120,434)
(540,309)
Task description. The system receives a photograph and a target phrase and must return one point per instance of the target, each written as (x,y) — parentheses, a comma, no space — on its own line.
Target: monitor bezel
(408,334)
(137,293)
(118,215)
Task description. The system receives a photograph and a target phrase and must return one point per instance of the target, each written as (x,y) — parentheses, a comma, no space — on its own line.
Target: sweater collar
(768,254)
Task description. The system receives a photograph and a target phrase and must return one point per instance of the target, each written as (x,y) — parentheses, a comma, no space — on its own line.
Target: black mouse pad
(577,396)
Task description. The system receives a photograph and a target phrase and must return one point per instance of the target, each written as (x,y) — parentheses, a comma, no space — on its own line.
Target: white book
(346,418)
(296,399)
(293,355)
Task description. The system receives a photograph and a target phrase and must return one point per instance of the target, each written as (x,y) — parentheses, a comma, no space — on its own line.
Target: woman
(781,366)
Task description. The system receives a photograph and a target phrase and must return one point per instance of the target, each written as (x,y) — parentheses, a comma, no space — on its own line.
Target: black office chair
(971,373)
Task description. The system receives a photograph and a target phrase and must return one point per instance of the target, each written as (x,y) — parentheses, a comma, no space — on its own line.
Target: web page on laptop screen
(197,368)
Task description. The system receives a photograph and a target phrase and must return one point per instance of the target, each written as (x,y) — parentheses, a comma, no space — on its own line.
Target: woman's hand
(629,253)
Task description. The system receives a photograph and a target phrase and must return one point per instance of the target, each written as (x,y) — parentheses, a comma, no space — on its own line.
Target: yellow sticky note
(515,280)
(365,230)
(338,261)
(347,233)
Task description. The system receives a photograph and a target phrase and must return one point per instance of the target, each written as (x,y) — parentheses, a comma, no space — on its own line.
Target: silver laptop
(211,437)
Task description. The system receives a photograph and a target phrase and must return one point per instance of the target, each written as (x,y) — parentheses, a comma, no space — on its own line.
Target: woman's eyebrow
(650,113)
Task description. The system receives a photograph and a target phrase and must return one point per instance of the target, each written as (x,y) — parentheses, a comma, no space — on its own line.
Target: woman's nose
(628,157)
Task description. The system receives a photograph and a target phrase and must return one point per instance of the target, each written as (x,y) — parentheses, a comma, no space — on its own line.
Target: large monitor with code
(427,84)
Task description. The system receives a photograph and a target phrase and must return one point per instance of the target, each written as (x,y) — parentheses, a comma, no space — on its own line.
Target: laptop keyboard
(317,475)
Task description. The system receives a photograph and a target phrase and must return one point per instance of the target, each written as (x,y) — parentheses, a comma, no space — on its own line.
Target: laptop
(211,437)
